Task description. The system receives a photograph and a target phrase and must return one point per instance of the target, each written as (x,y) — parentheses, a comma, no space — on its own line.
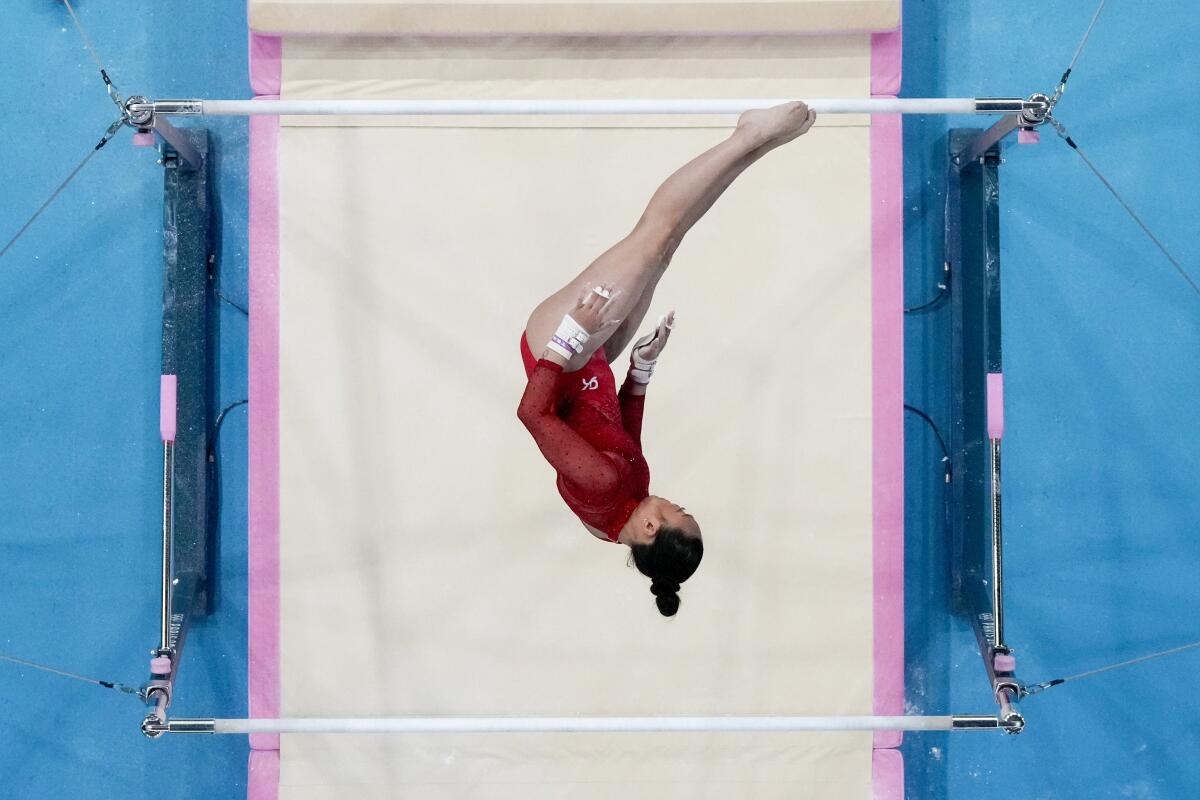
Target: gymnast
(590,433)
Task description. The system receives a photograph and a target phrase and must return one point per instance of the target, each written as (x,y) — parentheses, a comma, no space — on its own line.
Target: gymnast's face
(673,515)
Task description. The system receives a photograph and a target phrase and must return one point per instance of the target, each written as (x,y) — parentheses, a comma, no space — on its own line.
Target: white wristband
(641,376)
(569,339)
(641,369)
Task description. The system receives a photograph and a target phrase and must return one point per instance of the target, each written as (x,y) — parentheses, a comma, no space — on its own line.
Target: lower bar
(853,105)
(577,724)
(649,106)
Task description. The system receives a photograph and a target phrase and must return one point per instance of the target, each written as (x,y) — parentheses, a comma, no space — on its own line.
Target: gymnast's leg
(636,263)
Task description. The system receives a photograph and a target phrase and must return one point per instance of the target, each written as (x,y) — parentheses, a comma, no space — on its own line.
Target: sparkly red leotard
(590,435)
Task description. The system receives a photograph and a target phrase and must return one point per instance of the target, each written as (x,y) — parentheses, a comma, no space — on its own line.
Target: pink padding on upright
(1004,663)
(262,775)
(887,52)
(887,773)
(1028,136)
(167,391)
(887,359)
(160,665)
(266,64)
(143,139)
(263,631)
(995,405)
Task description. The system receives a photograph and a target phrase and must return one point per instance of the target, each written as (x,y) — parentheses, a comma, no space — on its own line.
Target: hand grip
(995,405)
(168,388)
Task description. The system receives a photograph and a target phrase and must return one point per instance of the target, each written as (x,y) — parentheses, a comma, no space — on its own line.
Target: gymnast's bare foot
(772,127)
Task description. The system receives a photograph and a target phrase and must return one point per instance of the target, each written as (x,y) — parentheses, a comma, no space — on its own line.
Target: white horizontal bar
(865,105)
(573,724)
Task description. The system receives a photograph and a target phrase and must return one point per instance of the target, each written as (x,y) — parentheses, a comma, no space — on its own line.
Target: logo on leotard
(590,383)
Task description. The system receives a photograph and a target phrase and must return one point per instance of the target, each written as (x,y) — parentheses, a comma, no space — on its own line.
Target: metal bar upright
(977,399)
(184,401)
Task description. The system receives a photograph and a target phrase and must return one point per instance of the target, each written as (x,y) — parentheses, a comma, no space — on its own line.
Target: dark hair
(668,562)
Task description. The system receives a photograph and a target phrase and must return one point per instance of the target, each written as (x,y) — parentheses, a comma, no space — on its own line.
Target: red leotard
(590,435)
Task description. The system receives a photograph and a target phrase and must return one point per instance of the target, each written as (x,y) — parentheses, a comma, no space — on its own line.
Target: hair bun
(666,596)
(662,586)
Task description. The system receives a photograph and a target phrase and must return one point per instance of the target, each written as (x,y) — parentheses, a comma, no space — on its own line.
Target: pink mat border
(266,64)
(887,354)
(262,779)
(887,775)
(886,67)
(887,254)
(263,555)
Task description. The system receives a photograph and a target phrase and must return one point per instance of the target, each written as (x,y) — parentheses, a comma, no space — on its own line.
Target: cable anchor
(138,112)
(1039,108)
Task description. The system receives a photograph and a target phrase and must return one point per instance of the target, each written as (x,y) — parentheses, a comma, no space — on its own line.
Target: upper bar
(855,105)
(566,724)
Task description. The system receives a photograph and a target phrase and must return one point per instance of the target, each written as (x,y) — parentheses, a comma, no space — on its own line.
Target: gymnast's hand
(647,349)
(586,326)
(595,310)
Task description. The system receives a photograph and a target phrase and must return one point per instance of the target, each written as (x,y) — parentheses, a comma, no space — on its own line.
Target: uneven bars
(141,109)
(571,724)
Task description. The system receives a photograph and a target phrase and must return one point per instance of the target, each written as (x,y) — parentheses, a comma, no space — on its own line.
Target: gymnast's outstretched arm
(580,464)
